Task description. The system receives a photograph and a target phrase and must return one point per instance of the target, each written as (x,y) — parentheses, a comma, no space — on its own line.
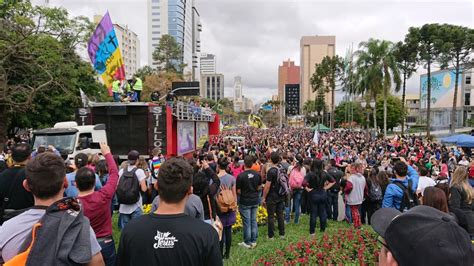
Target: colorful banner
(104,52)
(202,133)
(256,121)
(186,142)
(442,89)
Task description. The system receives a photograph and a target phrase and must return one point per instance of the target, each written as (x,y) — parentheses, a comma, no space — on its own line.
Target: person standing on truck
(116,89)
(132,181)
(137,88)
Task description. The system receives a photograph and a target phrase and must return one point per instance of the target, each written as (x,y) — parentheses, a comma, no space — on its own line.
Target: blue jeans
(348,213)
(116,96)
(108,252)
(125,218)
(318,209)
(296,197)
(249,221)
(333,205)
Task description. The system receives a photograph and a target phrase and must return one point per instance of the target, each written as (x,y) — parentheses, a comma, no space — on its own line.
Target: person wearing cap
(128,212)
(421,236)
(80,160)
(394,194)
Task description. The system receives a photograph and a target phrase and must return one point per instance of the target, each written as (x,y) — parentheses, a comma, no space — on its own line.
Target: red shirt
(96,206)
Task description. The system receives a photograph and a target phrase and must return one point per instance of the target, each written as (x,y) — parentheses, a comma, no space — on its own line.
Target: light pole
(368,110)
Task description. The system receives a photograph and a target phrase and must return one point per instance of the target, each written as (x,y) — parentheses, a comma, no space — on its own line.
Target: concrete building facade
(212,86)
(208,64)
(312,51)
(130,47)
(288,73)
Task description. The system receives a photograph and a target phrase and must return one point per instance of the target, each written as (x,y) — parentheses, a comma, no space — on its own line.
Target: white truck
(71,138)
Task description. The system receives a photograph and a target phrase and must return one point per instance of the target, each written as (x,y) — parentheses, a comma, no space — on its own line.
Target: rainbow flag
(104,52)
(156,164)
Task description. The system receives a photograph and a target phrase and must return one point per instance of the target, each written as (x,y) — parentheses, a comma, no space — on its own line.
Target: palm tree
(377,69)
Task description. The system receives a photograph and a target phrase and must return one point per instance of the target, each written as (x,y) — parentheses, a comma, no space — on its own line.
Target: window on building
(155,13)
(155,39)
(155,26)
(155,32)
(155,19)
(467,99)
(468,79)
(155,7)
(155,1)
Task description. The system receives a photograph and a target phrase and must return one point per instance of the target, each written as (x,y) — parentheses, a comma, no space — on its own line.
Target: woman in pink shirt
(96,204)
(235,167)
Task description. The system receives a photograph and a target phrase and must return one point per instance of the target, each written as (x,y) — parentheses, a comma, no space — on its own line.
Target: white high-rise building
(180,19)
(208,64)
(197,28)
(130,47)
(238,99)
(238,88)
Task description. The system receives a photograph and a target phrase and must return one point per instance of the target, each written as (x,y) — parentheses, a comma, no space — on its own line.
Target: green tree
(395,111)
(144,72)
(426,39)
(40,73)
(379,70)
(455,46)
(406,56)
(169,55)
(342,107)
(324,79)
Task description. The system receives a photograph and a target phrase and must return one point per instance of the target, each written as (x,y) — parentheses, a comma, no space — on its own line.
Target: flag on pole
(104,52)
(316,137)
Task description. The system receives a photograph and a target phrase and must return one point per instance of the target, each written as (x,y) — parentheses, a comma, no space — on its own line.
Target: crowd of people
(417,194)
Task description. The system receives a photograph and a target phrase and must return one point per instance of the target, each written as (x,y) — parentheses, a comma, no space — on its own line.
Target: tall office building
(212,86)
(129,47)
(196,40)
(239,104)
(313,50)
(208,64)
(180,19)
(288,73)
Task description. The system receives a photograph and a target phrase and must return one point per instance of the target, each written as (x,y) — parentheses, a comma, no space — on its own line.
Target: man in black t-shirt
(333,192)
(168,236)
(274,202)
(248,186)
(11,181)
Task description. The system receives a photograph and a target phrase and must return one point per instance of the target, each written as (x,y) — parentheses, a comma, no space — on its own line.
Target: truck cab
(70,138)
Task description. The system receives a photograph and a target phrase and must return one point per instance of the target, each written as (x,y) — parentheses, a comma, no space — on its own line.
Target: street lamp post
(368,110)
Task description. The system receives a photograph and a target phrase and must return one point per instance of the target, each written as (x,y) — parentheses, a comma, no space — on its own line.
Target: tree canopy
(40,72)
(169,55)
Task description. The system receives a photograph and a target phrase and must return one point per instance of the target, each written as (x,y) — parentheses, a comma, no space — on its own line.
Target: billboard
(202,133)
(442,89)
(186,142)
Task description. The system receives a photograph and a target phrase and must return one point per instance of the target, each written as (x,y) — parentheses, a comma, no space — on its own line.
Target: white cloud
(251,38)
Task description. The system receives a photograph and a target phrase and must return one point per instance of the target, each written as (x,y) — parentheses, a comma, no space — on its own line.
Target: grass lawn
(243,256)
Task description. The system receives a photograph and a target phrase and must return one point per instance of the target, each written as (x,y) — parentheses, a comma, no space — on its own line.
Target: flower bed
(261,219)
(346,246)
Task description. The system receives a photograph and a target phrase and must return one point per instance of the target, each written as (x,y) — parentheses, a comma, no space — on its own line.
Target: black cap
(133,155)
(423,236)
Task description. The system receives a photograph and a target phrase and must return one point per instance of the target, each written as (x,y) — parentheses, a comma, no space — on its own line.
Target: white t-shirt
(129,208)
(425,182)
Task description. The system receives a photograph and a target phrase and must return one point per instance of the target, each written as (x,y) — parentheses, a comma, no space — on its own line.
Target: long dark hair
(317,166)
(299,162)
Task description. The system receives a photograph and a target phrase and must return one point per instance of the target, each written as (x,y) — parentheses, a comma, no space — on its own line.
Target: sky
(251,38)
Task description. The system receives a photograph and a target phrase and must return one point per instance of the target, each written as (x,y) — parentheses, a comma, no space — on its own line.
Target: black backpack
(409,199)
(128,189)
